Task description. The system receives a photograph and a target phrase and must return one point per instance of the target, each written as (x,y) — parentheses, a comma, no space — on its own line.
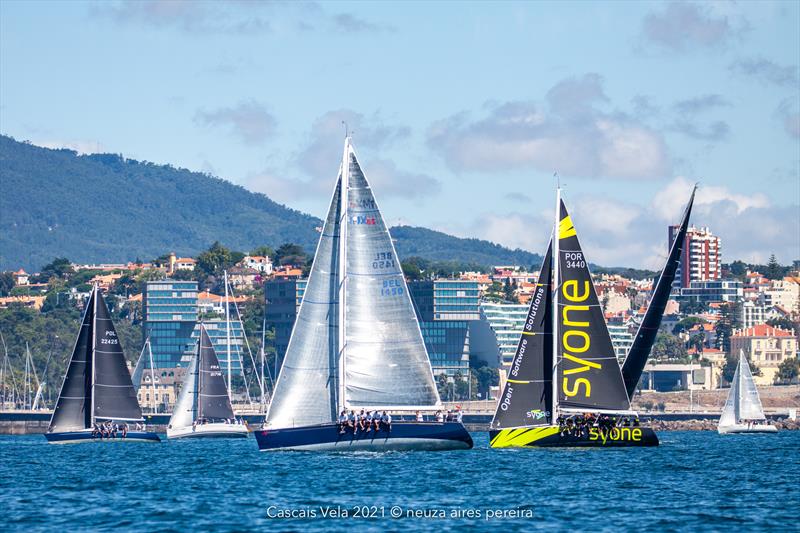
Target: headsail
(386,363)
(633,366)
(749,401)
(588,374)
(185,411)
(138,369)
(527,395)
(73,410)
(305,393)
(213,401)
(114,395)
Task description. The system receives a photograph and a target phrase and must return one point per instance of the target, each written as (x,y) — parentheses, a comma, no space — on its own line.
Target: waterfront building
(169,313)
(159,389)
(444,310)
(701,259)
(282,301)
(717,291)
(766,347)
(667,377)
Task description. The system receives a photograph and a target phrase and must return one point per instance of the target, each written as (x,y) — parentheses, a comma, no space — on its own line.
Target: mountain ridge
(106,208)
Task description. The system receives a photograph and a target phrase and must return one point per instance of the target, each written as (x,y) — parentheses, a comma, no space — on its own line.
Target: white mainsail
(386,363)
(383,361)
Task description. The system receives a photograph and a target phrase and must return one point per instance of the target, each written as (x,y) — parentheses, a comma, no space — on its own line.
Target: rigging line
(249,351)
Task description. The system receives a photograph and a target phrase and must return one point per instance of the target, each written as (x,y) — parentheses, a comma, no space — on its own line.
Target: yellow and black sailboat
(565,386)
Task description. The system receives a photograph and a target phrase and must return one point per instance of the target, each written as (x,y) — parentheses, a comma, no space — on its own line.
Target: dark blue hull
(72,437)
(402,436)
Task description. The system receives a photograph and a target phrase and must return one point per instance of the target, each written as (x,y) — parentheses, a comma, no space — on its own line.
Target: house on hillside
(260,263)
(21,278)
(766,346)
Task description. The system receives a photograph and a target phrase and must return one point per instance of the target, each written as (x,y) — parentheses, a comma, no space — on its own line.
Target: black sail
(527,394)
(212,395)
(589,376)
(637,356)
(74,406)
(114,395)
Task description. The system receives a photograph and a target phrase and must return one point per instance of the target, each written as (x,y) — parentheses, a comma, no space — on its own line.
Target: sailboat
(97,386)
(204,407)
(356,343)
(565,386)
(743,412)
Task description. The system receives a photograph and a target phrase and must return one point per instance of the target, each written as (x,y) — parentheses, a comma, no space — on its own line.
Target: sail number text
(574,260)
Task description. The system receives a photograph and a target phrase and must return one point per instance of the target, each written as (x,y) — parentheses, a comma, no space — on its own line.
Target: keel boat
(743,412)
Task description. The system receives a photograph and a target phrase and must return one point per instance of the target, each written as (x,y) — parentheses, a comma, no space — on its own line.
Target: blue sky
(461,111)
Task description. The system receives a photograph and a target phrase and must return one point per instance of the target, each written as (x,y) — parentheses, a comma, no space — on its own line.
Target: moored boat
(97,400)
(356,343)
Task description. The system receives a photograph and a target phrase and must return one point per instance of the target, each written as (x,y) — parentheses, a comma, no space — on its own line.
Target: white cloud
(570,134)
(682,25)
(248,120)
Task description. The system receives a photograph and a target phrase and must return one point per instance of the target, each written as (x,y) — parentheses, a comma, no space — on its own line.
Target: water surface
(693,480)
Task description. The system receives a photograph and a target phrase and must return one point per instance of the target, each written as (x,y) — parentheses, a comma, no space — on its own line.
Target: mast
(196,378)
(556,261)
(343,203)
(263,358)
(94,350)
(152,373)
(228,335)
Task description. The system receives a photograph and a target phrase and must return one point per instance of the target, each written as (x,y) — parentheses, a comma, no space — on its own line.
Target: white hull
(379,445)
(744,428)
(213,430)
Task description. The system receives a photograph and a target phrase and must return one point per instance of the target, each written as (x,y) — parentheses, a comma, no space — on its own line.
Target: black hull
(551,437)
(403,436)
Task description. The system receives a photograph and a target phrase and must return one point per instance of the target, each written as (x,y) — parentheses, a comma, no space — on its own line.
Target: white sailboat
(356,344)
(204,408)
(743,412)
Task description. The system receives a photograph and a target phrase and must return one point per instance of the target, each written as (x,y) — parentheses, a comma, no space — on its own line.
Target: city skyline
(461,116)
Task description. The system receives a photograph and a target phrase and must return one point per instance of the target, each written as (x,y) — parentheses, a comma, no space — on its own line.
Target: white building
(260,263)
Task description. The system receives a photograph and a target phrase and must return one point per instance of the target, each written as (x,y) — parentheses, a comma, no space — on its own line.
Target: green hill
(105,208)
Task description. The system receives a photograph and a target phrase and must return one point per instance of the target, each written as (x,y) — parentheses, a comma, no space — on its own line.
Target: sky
(461,112)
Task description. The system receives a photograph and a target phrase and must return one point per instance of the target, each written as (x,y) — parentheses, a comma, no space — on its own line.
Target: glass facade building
(282,301)
(506,321)
(444,310)
(169,311)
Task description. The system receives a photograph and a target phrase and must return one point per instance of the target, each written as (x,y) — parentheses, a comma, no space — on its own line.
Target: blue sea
(693,481)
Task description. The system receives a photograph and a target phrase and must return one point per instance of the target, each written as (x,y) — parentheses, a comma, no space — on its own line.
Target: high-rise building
(444,310)
(621,340)
(169,317)
(701,259)
(282,301)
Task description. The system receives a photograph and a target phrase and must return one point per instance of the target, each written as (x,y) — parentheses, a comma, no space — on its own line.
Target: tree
(685,324)
(442,385)
(6,283)
(788,371)
(697,341)
(690,307)
(668,347)
(291,254)
(782,322)
(411,271)
(724,327)
(774,270)
(60,267)
(214,260)
(263,251)
(510,291)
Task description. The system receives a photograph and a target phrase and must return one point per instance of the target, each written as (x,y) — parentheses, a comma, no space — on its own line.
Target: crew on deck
(579,425)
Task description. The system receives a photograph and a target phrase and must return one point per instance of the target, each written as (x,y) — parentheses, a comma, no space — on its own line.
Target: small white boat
(743,412)
(204,408)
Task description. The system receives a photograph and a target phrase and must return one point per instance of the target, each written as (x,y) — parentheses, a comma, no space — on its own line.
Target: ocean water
(694,480)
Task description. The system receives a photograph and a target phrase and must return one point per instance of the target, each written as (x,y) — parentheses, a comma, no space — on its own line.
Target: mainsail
(114,395)
(588,374)
(386,363)
(73,410)
(213,401)
(305,393)
(637,356)
(527,394)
